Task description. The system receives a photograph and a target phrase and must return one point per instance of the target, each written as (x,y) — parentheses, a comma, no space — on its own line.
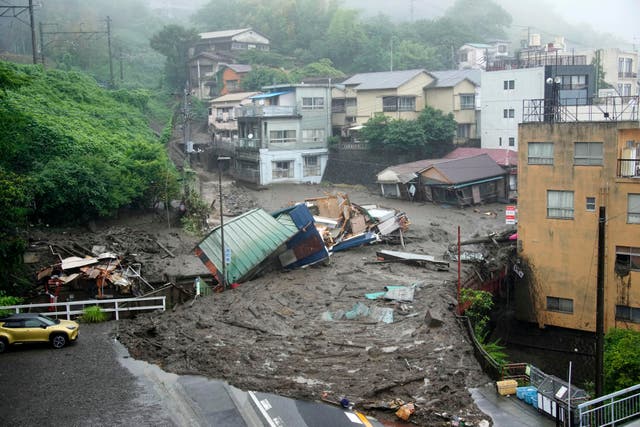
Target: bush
(8,300)
(93,314)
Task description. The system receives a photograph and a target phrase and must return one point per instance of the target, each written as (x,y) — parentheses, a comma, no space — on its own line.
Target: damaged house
(462,182)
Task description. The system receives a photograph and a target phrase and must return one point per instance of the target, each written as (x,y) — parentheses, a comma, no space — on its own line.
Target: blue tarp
(269,95)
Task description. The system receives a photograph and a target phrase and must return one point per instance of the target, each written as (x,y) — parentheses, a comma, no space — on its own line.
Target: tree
(600,74)
(174,41)
(260,76)
(375,130)
(345,39)
(439,130)
(322,68)
(410,55)
(486,17)
(404,135)
(621,361)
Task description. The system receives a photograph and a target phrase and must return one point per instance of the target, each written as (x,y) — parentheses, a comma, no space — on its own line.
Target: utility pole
(186,123)
(7,11)
(109,46)
(600,304)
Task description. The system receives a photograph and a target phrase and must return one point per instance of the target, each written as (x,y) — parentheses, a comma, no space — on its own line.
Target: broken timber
(408,257)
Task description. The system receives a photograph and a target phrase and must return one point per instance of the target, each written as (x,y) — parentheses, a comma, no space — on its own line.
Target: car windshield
(48,321)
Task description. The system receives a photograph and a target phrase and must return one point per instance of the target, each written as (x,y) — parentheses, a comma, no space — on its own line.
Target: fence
(612,409)
(107,305)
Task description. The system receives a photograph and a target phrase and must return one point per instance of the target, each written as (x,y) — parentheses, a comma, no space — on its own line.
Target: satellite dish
(250,136)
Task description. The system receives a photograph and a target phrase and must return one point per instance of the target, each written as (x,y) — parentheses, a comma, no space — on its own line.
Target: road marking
(262,410)
(363,418)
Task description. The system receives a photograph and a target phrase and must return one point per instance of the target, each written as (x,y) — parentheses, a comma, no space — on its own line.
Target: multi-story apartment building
(504,91)
(574,160)
(283,135)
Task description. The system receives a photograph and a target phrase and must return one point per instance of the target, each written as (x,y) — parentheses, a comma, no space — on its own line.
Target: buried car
(36,327)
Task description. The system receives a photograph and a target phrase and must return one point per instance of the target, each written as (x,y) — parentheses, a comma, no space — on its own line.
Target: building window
(338,105)
(313,135)
(540,153)
(233,85)
(629,314)
(591,204)
(407,103)
(282,169)
(633,209)
(311,166)
(512,141)
(398,103)
(464,131)
(508,113)
(351,102)
(467,101)
(509,84)
(502,48)
(587,153)
(282,136)
(627,258)
(573,82)
(463,56)
(561,305)
(500,141)
(560,204)
(316,103)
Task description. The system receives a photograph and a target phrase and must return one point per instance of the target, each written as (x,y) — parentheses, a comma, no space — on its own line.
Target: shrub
(8,300)
(93,314)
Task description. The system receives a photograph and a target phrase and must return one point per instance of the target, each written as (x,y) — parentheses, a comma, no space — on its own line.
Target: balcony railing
(627,75)
(629,168)
(267,110)
(249,144)
(247,175)
(568,110)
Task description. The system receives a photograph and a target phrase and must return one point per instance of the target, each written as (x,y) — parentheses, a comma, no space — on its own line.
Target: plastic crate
(507,387)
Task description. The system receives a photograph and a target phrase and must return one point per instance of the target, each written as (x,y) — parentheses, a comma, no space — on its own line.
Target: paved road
(95,383)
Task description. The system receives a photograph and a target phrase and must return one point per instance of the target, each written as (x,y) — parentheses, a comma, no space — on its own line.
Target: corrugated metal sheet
(252,237)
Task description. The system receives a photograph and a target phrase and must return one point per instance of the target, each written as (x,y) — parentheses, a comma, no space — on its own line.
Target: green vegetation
(431,134)
(621,362)
(479,307)
(71,151)
(93,314)
(6,300)
(174,41)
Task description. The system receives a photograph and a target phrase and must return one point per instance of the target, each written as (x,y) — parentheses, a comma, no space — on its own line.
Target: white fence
(612,409)
(72,308)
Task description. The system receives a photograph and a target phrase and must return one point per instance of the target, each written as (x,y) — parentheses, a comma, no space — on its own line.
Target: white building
(283,135)
(503,93)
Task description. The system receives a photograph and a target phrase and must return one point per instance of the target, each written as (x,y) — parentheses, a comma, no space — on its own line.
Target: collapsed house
(105,275)
(294,237)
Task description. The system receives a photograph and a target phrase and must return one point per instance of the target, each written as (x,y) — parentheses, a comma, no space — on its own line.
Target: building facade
(568,171)
(283,135)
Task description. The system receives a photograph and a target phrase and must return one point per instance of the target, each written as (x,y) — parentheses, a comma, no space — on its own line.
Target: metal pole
(223,249)
(600,305)
(32,23)
(569,397)
(110,56)
(459,261)
(41,44)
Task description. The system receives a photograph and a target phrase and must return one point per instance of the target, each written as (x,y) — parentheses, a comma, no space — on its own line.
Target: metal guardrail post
(117,314)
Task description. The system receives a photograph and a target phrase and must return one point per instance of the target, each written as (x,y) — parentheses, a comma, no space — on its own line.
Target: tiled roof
(466,169)
(382,80)
(453,77)
(223,33)
(502,156)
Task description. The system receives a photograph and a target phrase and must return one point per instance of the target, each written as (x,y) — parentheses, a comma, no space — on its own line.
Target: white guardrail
(107,305)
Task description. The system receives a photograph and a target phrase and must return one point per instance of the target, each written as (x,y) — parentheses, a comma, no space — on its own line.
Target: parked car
(36,327)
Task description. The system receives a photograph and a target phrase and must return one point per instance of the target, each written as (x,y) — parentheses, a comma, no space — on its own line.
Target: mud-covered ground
(278,333)
(275,333)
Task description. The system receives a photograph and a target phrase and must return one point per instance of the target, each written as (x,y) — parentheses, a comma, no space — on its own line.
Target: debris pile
(296,236)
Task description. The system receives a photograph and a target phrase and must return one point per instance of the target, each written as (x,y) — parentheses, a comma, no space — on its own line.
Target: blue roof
(270,94)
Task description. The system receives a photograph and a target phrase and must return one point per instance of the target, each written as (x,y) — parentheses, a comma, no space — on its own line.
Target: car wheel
(58,341)
(3,345)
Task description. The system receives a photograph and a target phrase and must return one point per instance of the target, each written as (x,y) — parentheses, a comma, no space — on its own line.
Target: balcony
(247,175)
(629,168)
(246,144)
(627,75)
(267,111)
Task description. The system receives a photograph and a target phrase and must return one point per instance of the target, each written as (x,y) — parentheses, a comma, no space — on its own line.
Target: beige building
(567,171)
(397,94)
(457,92)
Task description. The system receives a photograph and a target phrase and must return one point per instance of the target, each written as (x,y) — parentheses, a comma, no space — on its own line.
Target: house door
(475,191)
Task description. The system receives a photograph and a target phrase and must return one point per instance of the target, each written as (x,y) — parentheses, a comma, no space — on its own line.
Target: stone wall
(361,166)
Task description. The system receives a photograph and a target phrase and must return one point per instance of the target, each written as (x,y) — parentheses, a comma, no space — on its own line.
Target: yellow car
(36,327)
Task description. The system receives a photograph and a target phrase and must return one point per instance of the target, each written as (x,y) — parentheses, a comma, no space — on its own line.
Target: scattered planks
(386,256)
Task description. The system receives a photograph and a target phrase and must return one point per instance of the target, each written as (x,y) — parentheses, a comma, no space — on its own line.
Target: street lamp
(552,112)
(223,257)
